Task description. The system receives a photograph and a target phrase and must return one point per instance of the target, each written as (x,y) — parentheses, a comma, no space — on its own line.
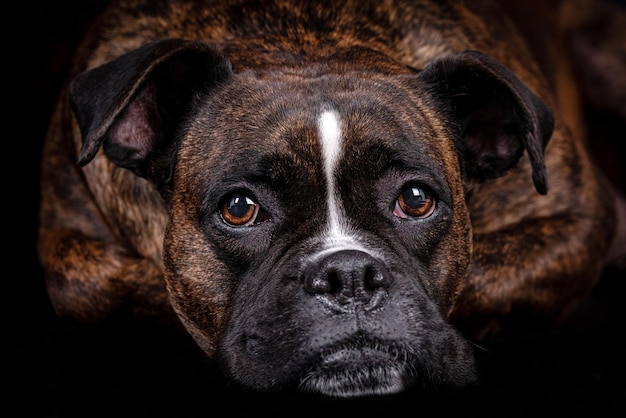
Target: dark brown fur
(102,227)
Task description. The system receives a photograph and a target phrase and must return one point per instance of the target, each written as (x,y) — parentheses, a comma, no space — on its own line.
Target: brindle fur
(102,228)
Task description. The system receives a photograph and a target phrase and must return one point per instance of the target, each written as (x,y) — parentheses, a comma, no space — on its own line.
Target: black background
(54,368)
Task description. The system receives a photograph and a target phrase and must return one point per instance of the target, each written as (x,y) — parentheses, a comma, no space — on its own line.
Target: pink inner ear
(134,134)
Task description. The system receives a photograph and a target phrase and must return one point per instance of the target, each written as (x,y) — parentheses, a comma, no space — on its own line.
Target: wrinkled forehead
(321,119)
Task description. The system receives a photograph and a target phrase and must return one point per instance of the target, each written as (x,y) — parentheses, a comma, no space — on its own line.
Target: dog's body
(320,190)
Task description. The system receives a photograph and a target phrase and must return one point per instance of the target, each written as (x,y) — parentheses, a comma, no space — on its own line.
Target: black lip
(362,349)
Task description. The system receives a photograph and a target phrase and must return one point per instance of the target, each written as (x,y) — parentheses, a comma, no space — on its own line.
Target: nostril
(328,282)
(374,279)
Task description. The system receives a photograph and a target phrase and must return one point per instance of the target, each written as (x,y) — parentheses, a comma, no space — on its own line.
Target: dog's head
(318,231)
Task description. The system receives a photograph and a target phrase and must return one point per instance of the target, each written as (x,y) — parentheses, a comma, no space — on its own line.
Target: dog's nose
(349,278)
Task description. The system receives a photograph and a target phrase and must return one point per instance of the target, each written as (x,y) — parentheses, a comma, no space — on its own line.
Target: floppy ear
(496,114)
(133,105)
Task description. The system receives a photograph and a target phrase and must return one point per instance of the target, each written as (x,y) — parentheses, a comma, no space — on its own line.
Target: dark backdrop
(54,368)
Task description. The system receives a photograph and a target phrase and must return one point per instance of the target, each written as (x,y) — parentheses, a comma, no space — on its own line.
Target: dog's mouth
(354,369)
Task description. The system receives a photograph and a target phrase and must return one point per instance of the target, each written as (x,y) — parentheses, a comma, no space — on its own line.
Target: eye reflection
(414,202)
(239,210)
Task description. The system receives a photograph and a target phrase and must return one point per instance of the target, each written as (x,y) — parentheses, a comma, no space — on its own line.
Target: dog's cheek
(262,337)
(451,258)
(454,264)
(444,251)
(455,249)
(197,282)
(441,250)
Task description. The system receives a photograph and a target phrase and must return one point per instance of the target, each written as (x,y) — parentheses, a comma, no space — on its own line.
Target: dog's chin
(357,372)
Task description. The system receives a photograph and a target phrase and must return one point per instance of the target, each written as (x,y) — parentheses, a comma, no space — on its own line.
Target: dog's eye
(241,210)
(414,202)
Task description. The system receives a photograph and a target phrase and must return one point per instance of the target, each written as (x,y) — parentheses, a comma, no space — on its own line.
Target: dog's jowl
(332,196)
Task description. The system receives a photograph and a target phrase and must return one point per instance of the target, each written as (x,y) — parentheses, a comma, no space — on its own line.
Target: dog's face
(319,223)
(318,232)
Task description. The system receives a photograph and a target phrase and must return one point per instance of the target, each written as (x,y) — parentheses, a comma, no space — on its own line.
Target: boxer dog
(336,196)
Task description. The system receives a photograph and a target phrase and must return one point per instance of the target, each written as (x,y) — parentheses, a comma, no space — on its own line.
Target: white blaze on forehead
(330,137)
(338,236)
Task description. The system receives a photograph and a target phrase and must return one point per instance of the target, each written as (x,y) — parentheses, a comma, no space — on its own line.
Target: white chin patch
(352,383)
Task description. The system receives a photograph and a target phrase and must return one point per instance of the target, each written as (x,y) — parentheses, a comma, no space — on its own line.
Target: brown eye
(239,210)
(414,202)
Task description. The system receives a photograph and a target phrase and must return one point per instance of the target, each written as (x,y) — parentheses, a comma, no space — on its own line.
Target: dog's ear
(133,105)
(494,114)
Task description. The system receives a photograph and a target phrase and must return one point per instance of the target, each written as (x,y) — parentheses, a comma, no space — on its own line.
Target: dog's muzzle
(353,282)
(348,326)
